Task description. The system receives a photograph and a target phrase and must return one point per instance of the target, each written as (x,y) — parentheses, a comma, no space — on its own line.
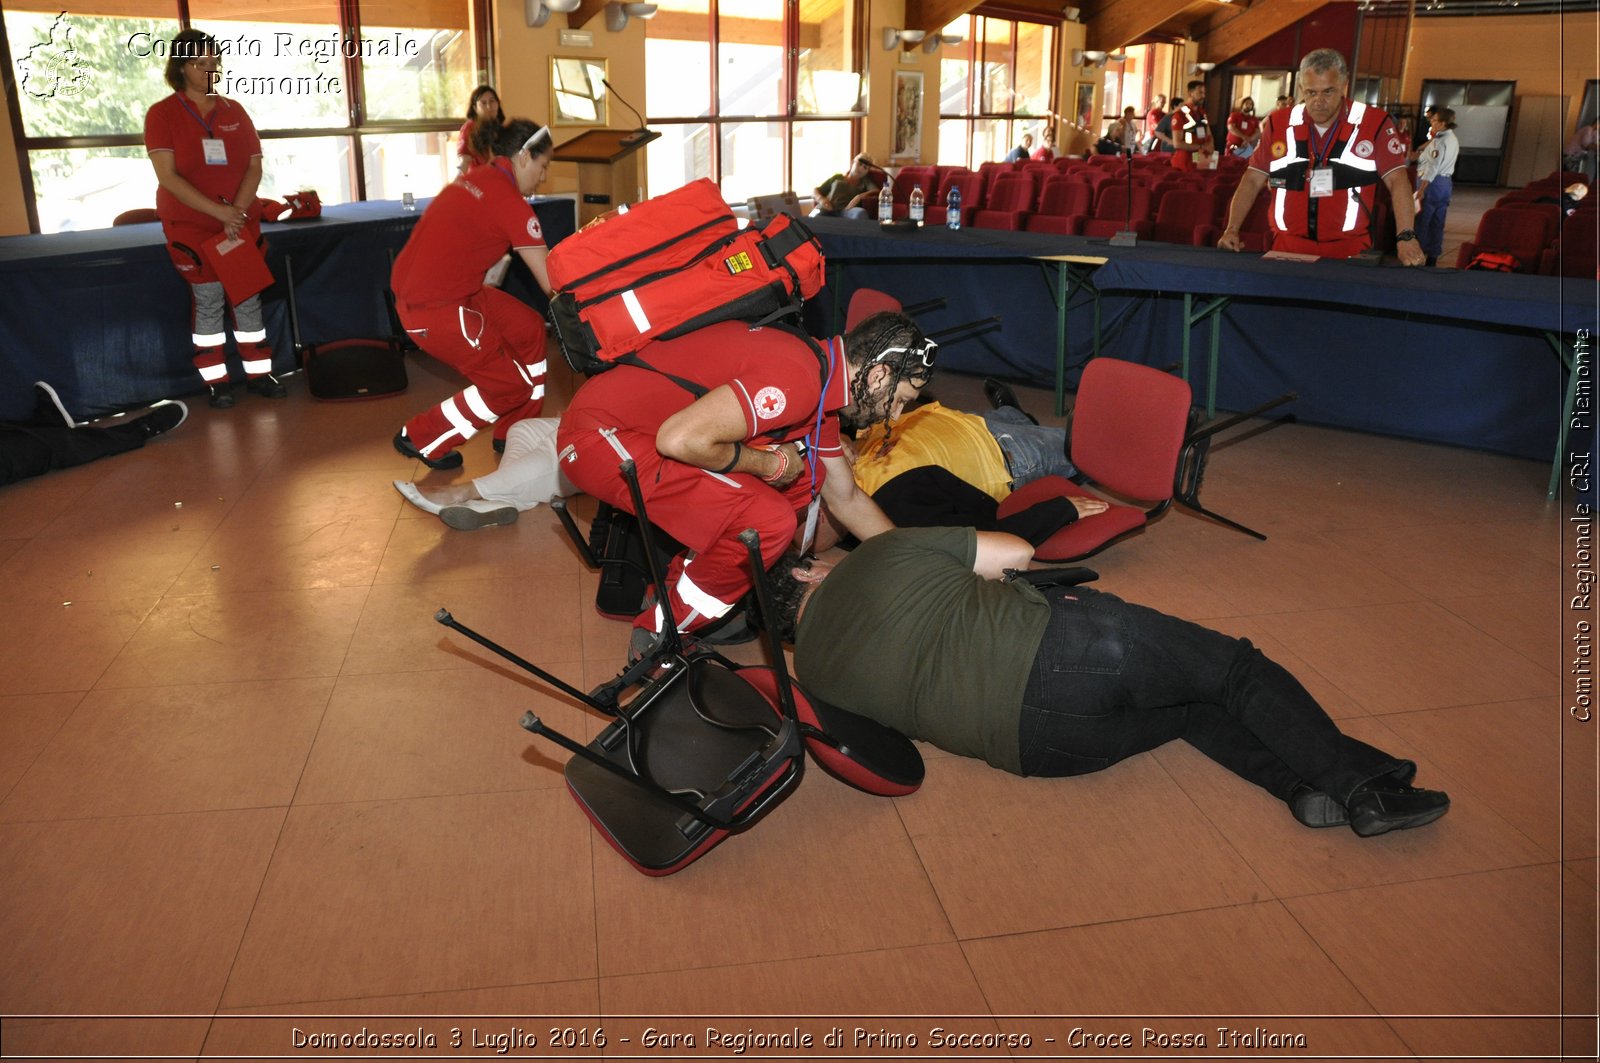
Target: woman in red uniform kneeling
(207,159)
(452,312)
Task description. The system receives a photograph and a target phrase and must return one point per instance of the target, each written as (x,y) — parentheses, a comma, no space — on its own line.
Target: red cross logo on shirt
(769,403)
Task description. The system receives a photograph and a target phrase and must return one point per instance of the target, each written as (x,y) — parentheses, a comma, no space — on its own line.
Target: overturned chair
(1135,431)
(704,748)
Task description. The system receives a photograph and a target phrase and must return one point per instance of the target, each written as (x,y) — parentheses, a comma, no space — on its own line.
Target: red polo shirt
(175,125)
(777,378)
(464,231)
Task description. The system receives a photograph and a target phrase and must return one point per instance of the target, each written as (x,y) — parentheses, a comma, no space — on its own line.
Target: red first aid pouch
(238,265)
(670,265)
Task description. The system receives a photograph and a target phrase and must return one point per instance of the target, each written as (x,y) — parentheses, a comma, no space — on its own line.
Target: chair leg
(1194,504)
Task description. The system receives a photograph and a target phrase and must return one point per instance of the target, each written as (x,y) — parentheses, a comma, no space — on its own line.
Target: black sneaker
(1383,807)
(1313,808)
(268,387)
(48,407)
(163,417)
(732,631)
(221,397)
(452,460)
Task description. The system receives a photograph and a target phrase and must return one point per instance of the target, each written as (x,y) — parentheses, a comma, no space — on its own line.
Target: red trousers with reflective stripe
(494,340)
(704,511)
(210,359)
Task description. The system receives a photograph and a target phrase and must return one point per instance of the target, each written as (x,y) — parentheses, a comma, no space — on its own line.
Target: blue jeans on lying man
(1113,679)
(1031,450)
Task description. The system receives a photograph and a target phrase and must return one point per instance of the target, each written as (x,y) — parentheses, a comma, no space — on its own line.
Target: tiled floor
(244,774)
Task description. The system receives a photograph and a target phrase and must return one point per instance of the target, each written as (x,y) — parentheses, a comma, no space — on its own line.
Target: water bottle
(886,205)
(952,208)
(916,205)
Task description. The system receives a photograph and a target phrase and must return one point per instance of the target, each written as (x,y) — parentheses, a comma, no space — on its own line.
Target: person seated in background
(1073,679)
(1046,151)
(1022,151)
(528,475)
(1122,135)
(483,108)
(50,439)
(841,194)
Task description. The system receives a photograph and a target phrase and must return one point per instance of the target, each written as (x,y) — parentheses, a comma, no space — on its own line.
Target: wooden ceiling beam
(1227,38)
(932,16)
(1118,22)
(587,10)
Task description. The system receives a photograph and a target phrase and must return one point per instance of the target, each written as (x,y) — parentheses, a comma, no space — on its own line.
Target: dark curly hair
(786,593)
(890,339)
(489,141)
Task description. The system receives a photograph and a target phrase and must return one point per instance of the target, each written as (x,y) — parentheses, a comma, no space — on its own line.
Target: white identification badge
(216,151)
(1321,182)
(810,535)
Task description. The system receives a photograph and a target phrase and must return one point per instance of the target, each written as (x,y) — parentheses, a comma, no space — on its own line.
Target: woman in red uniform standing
(207,159)
(494,340)
(483,108)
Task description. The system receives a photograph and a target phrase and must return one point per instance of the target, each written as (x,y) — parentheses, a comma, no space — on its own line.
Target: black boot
(221,397)
(268,387)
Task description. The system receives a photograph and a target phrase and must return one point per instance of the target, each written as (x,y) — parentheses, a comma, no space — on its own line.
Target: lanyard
(187,106)
(814,437)
(504,172)
(1321,145)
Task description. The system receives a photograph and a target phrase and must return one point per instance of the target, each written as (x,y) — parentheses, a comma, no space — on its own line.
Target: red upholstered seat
(1575,253)
(1061,203)
(1008,204)
(1128,430)
(866,302)
(1185,217)
(1111,212)
(909,177)
(136,216)
(1514,230)
(971,186)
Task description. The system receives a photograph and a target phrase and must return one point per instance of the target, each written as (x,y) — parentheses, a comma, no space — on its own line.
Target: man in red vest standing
(1321,161)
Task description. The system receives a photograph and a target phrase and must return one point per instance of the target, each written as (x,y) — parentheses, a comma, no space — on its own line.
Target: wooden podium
(608,168)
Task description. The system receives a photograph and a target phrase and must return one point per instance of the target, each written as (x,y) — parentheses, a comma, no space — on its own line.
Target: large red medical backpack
(670,265)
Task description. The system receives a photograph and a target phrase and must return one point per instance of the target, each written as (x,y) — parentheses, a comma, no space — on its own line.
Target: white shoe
(410,493)
(478,513)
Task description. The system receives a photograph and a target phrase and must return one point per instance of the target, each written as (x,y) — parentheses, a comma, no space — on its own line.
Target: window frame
(356,126)
(789,81)
(971,51)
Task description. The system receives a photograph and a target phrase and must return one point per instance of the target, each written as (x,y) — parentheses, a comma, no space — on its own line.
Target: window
(997,84)
(755,121)
(355,115)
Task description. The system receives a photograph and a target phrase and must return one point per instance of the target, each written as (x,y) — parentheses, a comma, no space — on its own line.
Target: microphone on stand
(641,131)
(1127,237)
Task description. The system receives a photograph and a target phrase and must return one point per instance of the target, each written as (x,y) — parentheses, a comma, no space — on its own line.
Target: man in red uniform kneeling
(756,444)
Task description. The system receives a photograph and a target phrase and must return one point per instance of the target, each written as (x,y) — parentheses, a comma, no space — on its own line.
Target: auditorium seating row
(1530,225)
(1077,197)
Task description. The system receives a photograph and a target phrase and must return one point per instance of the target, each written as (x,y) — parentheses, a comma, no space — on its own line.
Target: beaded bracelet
(783,466)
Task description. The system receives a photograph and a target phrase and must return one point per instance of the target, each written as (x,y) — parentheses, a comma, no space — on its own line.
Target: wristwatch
(1405,234)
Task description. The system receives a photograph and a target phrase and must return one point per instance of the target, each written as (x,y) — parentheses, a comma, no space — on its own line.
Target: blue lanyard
(187,106)
(503,172)
(814,437)
(1320,150)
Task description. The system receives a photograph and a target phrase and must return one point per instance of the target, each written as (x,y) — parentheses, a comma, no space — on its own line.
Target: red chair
(1062,203)
(1523,234)
(866,302)
(1009,203)
(1126,434)
(910,177)
(136,216)
(1184,217)
(971,186)
(1575,252)
(1256,233)
(1112,213)
(1133,431)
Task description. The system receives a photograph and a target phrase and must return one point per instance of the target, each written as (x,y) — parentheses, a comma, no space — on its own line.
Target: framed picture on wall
(907,115)
(1083,106)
